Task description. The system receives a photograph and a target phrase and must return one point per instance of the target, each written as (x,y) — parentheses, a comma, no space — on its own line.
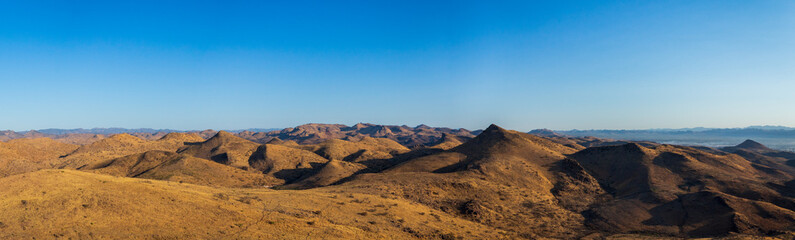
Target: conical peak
(223,136)
(275,140)
(223,133)
(633,147)
(751,144)
(493,128)
(493,135)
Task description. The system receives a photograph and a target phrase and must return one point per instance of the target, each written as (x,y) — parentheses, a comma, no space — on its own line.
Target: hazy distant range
(57,131)
(776,137)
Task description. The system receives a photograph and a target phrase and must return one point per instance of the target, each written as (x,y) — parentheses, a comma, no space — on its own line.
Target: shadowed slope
(447,142)
(342,149)
(753,145)
(120,145)
(670,189)
(375,153)
(332,172)
(162,165)
(285,164)
(224,148)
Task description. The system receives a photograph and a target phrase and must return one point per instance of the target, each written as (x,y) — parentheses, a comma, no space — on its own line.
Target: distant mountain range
(304,134)
(776,137)
(59,131)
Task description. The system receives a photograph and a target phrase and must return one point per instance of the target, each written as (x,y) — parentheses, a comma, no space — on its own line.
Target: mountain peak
(751,144)
(223,134)
(223,137)
(275,140)
(493,128)
(632,146)
(492,136)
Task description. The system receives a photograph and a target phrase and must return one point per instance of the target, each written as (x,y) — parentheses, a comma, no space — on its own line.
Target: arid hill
(683,191)
(500,178)
(81,205)
(447,142)
(120,145)
(224,148)
(31,154)
(324,163)
(163,165)
(331,172)
(505,179)
(391,182)
(283,163)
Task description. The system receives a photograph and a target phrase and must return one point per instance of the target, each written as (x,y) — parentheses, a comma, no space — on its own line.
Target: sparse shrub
(449,236)
(221,196)
(248,199)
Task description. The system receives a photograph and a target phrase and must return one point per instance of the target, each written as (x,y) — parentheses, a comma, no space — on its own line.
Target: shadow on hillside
(222,158)
(382,164)
(292,175)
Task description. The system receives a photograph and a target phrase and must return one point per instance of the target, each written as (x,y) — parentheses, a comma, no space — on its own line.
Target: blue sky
(520,64)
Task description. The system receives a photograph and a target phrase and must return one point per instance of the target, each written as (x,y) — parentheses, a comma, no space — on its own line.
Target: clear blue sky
(521,64)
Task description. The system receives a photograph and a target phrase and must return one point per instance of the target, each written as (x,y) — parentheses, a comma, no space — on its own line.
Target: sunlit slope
(67,203)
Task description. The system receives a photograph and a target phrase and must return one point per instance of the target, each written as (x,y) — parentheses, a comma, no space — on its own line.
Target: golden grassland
(68,203)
